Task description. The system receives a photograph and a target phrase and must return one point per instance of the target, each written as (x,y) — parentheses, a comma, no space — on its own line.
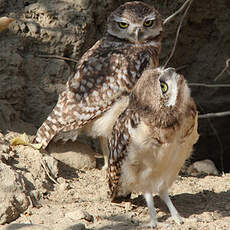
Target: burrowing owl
(97,93)
(152,138)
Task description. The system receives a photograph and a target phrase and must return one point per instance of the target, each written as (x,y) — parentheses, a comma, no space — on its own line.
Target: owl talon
(151,224)
(106,164)
(178,219)
(175,215)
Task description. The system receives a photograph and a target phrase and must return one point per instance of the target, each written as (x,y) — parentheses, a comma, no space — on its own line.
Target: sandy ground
(78,200)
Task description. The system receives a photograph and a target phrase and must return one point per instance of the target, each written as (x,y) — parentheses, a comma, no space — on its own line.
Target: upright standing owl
(96,95)
(152,138)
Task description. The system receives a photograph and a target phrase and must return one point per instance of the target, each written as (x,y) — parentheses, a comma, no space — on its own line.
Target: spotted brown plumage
(118,150)
(105,75)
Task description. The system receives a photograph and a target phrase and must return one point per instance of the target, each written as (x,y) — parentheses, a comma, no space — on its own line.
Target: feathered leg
(175,215)
(104,146)
(152,212)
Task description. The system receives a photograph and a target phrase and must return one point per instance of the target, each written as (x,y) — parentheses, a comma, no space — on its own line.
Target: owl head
(135,22)
(161,90)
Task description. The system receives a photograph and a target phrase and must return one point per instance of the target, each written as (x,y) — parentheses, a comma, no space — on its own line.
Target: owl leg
(175,215)
(152,212)
(105,150)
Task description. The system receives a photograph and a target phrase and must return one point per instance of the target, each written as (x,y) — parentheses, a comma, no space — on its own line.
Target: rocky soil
(38,191)
(66,189)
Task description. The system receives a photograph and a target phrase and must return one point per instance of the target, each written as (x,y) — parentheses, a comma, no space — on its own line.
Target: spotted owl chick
(97,93)
(152,138)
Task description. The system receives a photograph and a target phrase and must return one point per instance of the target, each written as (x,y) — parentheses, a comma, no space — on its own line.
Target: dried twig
(210,85)
(57,57)
(225,68)
(178,32)
(211,115)
(47,171)
(181,67)
(168,19)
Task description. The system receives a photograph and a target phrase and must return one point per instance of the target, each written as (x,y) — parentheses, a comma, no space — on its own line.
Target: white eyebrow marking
(118,19)
(151,16)
(174,91)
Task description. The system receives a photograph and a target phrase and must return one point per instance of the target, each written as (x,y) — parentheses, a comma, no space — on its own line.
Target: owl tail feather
(48,129)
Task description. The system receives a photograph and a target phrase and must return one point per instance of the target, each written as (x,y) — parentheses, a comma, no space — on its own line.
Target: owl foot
(152,224)
(178,219)
(156,224)
(175,215)
(105,167)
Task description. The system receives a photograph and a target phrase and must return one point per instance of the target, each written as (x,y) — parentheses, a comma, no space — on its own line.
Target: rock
(80,215)
(202,167)
(2,6)
(30,161)
(24,227)
(33,28)
(6,153)
(76,227)
(13,197)
(79,226)
(227,206)
(74,154)
(9,120)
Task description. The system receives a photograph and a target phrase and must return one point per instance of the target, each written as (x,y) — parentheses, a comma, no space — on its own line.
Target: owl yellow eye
(164,87)
(123,25)
(148,23)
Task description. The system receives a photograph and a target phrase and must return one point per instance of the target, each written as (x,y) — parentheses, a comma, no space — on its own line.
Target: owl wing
(189,129)
(118,147)
(103,75)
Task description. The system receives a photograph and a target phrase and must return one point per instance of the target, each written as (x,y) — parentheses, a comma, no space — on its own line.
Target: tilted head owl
(152,138)
(166,95)
(166,89)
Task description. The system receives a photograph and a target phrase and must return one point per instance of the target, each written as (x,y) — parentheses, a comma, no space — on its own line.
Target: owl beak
(137,34)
